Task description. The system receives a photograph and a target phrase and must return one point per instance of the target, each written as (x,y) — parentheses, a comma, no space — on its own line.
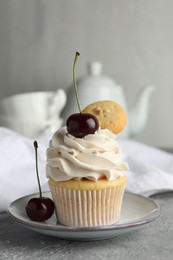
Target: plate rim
(154,214)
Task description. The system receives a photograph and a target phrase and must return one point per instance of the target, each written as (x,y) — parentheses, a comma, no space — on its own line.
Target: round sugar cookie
(109,114)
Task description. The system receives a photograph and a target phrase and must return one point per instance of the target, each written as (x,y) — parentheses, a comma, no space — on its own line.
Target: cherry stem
(74,80)
(36,160)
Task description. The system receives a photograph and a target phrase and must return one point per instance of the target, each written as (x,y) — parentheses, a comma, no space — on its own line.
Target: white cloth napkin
(151,170)
(17,167)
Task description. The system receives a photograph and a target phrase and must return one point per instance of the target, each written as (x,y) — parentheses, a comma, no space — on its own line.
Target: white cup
(33,114)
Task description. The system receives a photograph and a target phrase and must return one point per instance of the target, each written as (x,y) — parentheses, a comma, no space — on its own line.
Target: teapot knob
(94,69)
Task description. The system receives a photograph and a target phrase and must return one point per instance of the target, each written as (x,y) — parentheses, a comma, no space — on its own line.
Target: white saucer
(137,211)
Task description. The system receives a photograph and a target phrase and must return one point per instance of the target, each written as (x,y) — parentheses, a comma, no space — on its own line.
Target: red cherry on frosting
(80,125)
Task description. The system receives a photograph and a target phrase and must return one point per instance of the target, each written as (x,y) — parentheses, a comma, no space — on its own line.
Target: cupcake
(86,177)
(85,170)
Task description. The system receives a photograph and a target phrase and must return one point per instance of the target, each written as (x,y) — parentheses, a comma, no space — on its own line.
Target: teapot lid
(94,77)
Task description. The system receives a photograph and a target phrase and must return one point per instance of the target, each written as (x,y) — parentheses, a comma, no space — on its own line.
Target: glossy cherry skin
(40,209)
(80,124)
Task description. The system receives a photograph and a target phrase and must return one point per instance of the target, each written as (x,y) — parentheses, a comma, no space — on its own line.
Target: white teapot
(95,87)
(34,113)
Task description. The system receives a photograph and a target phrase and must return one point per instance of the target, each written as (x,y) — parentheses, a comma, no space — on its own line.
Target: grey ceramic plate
(137,211)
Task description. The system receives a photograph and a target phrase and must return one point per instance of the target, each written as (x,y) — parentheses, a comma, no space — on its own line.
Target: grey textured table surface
(154,241)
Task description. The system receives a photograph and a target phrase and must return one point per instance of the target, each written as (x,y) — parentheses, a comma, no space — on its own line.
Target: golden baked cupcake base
(87,203)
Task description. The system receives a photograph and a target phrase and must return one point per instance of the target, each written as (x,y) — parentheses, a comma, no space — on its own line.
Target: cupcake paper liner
(88,207)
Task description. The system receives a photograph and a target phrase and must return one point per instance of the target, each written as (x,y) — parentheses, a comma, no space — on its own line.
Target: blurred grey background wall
(132,38)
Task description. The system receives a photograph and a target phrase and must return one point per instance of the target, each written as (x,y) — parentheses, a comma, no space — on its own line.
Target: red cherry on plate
(40,209)
(80,124)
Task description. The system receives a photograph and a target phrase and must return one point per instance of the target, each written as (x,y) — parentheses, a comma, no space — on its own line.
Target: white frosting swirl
(93,157)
